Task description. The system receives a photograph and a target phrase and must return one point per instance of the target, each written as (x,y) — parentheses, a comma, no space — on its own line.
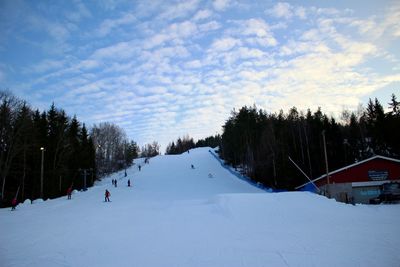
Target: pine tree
(394,105)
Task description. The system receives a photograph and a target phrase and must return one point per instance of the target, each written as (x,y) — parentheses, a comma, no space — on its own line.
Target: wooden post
(326,165)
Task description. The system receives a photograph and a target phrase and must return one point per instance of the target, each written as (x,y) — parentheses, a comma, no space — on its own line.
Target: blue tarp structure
(310,187)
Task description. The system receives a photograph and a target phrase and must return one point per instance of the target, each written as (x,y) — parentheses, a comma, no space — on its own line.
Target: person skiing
(192,166)
(140,167)
(129,182)
(107,196)
(13,203)
(112,181)
(115,182)
(69,192)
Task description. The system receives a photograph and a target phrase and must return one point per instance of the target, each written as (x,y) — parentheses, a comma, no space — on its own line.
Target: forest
(259,144)
(44,153)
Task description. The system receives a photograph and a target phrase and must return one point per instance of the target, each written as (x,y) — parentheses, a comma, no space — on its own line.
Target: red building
(360,181)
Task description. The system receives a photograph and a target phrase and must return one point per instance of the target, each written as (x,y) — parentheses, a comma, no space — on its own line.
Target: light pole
(326,165)
(41,174)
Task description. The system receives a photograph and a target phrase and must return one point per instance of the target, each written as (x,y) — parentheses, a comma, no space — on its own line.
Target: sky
(164,69)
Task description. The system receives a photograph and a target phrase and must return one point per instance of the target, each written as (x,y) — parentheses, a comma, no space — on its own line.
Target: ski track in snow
(177,216)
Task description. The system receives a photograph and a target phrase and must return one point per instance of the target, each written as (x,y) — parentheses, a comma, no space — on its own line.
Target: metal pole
(304,175)
(84,180)
(41,174)
(326,164)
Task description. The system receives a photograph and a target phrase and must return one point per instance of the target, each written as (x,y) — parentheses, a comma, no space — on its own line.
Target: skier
(69,192)
(107,196)
(129,182)
(13,203)
(115,182)
(112,181)
(140,167)
(192,166)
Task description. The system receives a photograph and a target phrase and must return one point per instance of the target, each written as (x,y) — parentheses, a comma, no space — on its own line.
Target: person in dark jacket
(13,203)
(69,192)
(129,182)
(107,196)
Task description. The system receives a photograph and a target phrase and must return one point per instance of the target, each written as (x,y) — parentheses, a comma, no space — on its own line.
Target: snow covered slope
(178,216)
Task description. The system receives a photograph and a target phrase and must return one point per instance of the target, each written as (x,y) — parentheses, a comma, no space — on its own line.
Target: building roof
(350,166)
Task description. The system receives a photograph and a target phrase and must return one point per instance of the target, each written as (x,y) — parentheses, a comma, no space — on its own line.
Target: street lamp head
(42,148)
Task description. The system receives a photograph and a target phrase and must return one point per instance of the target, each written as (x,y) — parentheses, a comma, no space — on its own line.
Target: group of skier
(107,193)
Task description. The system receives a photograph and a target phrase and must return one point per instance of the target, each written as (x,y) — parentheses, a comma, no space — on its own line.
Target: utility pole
(326,165)
(84,177)
(41,173)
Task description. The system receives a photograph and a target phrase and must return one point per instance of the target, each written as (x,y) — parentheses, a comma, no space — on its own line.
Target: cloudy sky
(163,69)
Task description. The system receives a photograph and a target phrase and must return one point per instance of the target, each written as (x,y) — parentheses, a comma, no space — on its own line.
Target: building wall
(366,179)
(360,173)
(341,192)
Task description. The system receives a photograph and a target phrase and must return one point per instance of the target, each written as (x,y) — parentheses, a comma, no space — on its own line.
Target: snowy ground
(178,216)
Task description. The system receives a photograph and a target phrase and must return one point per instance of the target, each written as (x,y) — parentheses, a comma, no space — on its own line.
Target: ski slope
(178,216)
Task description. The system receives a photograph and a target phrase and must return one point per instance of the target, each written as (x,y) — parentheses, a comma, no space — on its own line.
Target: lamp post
(326,165)
(41,173)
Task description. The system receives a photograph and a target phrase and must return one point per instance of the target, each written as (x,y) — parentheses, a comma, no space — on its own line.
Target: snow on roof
(350,166)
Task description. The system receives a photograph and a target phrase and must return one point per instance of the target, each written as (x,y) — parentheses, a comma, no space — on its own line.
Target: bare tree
(110,141)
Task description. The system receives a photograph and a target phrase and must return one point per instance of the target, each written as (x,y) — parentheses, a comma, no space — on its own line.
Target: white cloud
(174,32)
(194,64)
(202,14)
(46,66)
(254,32)
(209,26)
(287,11)
(221,5)
(179,10)
(88,64)
(109,24)
(81,12)
(282,10)
(120,50)
(224,44)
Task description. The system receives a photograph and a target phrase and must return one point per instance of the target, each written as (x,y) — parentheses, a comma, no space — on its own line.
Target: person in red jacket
(13,203)
(107,196)
(69,192)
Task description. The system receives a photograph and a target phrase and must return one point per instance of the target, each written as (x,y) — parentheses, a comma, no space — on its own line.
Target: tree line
(260,143)
(185,143)
(57,147)
(36,144)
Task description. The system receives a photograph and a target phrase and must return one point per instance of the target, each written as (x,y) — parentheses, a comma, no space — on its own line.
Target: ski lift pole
(305,174)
